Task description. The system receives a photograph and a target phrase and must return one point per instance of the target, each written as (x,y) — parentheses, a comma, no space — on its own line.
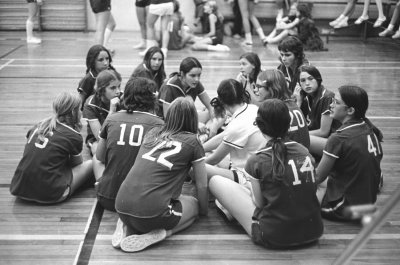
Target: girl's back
(292,208)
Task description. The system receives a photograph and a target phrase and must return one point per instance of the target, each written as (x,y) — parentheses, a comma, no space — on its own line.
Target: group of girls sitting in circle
(278,124)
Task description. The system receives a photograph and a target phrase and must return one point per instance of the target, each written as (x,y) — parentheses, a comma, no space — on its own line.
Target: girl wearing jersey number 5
(351,157)
(149,201)
(282,209)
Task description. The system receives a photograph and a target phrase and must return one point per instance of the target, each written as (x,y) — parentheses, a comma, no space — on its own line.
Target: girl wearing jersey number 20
(282,209)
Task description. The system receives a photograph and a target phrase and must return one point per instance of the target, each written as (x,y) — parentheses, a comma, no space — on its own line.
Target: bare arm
(288,25)
(256,193)
(219,154)
(205,99)
(324,130)
(95,126)
(200,176)
(324,168)
(213,143)
(101,150)
(213,20)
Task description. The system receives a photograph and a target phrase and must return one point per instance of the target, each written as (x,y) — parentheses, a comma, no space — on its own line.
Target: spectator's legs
(255,22)
(244,10)
(342,20)
(165,21)
(141,13)
(381,16)
(109,29)
(102,19)
(32,11)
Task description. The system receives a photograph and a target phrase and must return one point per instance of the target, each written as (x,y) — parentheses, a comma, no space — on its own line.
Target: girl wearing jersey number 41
(149,201)
(282,209)
(351,157)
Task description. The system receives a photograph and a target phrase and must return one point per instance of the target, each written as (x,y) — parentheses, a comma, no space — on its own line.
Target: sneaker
(135,243)
(361,20)
(342,24)
(247,44)
(396,35)
(140,45)
(379,22)
(33,40)
(386,33)
(118,234)
(165,52)
(335,22)
(224,211)
(222,48)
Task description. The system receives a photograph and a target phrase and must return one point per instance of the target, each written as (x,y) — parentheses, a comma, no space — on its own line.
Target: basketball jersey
(158,175)
(242,135)
(356,173)
(173,88)
(291,215)
(123,133)
(44,172)
(94,109)
(298,130)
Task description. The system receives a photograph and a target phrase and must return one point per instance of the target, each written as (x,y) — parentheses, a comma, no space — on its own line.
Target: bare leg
(215,170)
(244,10)
(254,21)
(32,11)
(284,33)
(165,20)
(235,199)
(101,24)
(141,13)
(190,212)
(109,29)
(98,168)
(80,174)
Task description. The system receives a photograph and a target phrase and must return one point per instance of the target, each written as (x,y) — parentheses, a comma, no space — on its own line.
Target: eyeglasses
(337,102)
(310,78)
(256,87)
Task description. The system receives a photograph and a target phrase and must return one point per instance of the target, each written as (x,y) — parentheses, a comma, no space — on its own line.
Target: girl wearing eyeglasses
(351,156)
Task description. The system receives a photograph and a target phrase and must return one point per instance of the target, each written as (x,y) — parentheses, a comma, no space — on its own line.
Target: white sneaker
(165,51)
(335,22)
(225,212)
(342,23)
(118,234)
(361,20)
(33,40)
(135,243)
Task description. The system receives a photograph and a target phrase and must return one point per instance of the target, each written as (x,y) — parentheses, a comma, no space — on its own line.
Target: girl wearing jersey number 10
(52,167)
(351,157)
(282,209)
(149,202)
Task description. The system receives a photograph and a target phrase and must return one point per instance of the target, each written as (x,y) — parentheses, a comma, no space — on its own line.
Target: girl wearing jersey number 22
(282,209)
(149,201)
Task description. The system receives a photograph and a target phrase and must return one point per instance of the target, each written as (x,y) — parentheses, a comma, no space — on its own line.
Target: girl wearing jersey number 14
(282,208)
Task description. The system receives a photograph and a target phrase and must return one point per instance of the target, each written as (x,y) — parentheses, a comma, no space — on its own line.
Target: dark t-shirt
(158,175)
(298,130)
(291,214)
(45,172)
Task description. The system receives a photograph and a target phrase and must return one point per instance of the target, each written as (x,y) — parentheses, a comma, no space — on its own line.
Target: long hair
(255,61)
(230,92)
(159,76)
(294,45)
(304,10)
(357,98)
(187,65)
(139,95)
(104,79)
(273,119)
(181,117)
(274,80)
(92,56)
(66,108)
(313,71)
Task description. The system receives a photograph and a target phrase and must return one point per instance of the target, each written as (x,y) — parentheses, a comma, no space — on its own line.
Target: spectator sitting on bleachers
(342,20)
(364,16)
(393,21)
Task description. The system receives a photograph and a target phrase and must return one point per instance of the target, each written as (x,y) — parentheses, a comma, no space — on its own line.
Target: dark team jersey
(314,109)
(94,109)
(219,29)
(291,214)
(44,172)
(123,133)
(142,71)
(156,2)
(158,175)
(86,86)
(298,130)
(292,77)
(173,88)
(356,174)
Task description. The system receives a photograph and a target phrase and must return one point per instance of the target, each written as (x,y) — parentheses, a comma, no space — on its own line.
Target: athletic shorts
(258,236)
(168,220)
(142,3)
(99,6)
(161,9)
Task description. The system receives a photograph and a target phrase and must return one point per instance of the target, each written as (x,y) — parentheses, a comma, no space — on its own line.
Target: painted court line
(6,64)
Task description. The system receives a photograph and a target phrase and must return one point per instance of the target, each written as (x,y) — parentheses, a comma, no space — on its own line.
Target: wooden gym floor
(79,232)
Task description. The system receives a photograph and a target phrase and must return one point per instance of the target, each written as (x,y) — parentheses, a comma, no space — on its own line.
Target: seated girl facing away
(121,137)
(149,202)
(351,158)
(52,168)
(281,210)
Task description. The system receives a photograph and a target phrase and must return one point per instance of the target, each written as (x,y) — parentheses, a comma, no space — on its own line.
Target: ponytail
(279,154)
(376,131)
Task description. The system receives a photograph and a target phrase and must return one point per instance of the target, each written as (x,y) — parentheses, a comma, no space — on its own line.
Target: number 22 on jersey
(172,148)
